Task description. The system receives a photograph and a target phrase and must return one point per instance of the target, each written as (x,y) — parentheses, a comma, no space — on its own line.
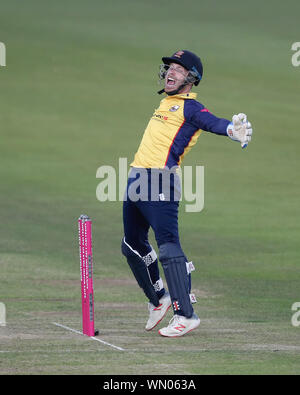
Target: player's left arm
(239,129)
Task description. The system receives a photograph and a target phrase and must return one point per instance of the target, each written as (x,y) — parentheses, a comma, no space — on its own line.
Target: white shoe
(179,326)
(156,314)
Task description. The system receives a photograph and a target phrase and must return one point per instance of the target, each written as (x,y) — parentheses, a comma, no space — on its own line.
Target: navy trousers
(154,204)
(152,200)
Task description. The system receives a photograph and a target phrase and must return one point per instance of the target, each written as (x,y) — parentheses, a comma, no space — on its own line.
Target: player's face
(175,76)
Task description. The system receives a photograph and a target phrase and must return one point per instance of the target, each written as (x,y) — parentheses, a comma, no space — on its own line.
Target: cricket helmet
(189,61)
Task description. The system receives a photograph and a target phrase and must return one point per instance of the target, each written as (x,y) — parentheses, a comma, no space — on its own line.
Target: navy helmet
(189,61)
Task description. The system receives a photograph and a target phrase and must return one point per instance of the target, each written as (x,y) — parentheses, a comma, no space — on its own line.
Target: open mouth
(170,81)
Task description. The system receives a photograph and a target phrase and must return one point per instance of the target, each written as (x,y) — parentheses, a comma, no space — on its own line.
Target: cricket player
(151,201)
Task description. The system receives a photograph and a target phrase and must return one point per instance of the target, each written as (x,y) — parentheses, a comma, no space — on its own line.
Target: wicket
(86,274)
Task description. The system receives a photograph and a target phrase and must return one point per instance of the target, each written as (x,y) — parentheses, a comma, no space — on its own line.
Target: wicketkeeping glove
(240,129)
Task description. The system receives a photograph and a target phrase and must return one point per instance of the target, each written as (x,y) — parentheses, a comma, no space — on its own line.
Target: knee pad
(140,271)
(177,272)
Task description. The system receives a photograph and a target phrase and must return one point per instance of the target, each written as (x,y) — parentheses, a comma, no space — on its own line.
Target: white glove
(240,129)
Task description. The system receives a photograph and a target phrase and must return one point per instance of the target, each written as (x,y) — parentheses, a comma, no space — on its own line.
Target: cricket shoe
(156,314)
(180,325)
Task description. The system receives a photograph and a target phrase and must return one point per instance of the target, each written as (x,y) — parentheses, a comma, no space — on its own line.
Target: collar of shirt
(190,95)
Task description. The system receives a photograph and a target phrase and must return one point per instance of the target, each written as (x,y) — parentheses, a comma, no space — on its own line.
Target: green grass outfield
(76,93)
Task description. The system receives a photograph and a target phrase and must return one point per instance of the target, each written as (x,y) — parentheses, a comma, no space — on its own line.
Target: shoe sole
(161,334)
(150,329)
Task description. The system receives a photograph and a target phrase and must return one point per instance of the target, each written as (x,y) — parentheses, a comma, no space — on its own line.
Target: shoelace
(174,320)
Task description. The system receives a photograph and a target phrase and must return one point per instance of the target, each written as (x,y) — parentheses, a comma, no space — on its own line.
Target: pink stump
(86,274)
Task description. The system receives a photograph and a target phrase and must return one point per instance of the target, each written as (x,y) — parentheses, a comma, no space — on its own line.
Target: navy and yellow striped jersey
(173,129)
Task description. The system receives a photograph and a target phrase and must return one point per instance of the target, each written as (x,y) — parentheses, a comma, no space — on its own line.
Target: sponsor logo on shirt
(159,117)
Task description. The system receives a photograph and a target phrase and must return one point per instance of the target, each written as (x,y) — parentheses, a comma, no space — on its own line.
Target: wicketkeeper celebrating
(172,130)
